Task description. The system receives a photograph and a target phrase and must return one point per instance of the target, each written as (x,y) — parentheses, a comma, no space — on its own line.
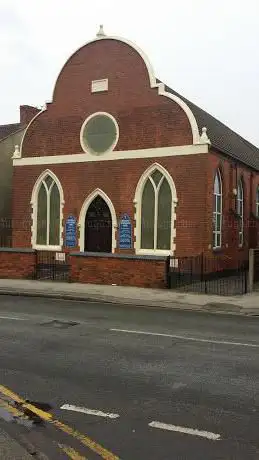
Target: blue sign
(125,232)
(71,233)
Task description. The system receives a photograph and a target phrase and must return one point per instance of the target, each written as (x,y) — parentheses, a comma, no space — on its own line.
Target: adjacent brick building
(10,136)
(118,163)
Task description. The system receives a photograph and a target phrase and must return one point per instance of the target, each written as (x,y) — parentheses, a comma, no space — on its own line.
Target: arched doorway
(98,227)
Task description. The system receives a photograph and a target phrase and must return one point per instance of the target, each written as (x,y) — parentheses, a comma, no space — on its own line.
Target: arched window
(156,213)
(257,202)
(47,213)
(240,212)
(217,211)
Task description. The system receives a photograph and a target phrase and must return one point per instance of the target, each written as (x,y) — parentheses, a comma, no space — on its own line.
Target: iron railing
(210,275)
(52,266)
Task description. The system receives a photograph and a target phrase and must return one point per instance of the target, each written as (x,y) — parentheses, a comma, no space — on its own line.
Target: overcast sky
(206,50)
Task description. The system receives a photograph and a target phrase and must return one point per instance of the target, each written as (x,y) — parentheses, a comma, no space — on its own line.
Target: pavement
(131,384)
(247,304)
(11,449)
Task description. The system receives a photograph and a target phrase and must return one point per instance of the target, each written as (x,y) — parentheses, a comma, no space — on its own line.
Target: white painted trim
(40,247)
(257,202)
(34,204)
(150,252)
(240,204)
(112,147)
(28,126)
(81,220)
(137,202)
(218,174)
(116,155)
(185,108)
(152,80)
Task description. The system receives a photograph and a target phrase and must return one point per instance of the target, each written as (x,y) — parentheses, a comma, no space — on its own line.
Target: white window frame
(34,204)
(257,202)
(217,214)
(85,147)
(240,212)
(82,215)
(138,205)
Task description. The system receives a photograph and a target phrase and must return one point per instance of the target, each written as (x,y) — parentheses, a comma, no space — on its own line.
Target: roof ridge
(222,136)
(9,129)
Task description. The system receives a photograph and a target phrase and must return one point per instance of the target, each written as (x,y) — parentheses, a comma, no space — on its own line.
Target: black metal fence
(52,266)
(210,275)
(5,241)
(5,232)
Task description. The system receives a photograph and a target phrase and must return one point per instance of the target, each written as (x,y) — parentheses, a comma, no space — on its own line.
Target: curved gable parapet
(110,58)
(185,108)
(148,115)
(143,61)
(28,129)
(75,59)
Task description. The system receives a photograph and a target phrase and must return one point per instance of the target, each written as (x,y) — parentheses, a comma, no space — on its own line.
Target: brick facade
(146,120)
(190,224)
(231,172)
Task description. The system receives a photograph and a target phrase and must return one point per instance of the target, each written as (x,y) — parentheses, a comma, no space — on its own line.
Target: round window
(99,134)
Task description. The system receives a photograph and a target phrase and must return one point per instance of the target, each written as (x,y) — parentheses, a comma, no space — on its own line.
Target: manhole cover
(60,324)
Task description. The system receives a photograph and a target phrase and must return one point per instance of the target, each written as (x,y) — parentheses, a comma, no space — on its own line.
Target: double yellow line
(47,417)
(71,453)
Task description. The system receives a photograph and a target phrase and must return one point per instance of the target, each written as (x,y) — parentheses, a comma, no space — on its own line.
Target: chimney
(27,112)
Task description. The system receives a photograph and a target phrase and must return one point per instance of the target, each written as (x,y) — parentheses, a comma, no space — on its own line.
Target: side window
(217,211)
(240,212)
(156,213)
(48,213)
(257,202)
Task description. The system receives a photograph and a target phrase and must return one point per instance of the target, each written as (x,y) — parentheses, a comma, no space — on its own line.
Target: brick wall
(193,176)
(80,179)
(118,270)
(17,263)
(146,120)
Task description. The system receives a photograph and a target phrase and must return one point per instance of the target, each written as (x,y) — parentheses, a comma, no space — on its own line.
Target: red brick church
(121,167)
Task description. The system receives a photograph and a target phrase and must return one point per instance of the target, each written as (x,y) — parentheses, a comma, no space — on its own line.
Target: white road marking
(14,318)
(182,429)
(191,339)
(84,410)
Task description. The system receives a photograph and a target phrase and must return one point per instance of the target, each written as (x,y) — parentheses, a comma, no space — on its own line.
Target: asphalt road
(154,376)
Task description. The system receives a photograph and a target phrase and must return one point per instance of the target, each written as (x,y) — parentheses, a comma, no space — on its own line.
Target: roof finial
(100,33)
(204,137)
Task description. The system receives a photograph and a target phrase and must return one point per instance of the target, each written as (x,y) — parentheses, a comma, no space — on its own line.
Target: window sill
(217,250)
(156,252)
(39,247)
